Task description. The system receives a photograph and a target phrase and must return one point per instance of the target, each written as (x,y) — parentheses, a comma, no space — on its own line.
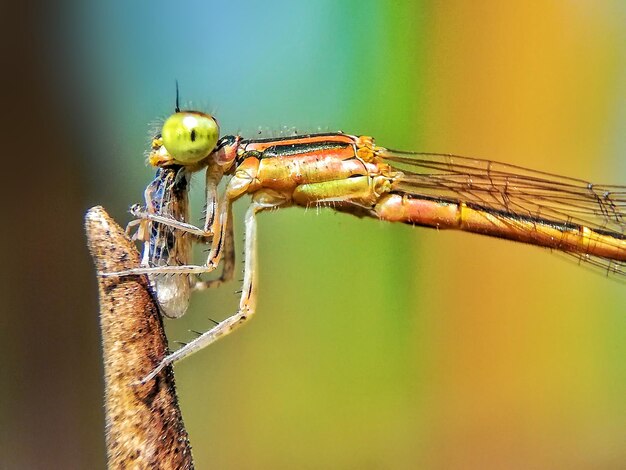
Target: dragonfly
(352,174)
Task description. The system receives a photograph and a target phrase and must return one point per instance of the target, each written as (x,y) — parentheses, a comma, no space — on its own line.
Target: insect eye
(190,136)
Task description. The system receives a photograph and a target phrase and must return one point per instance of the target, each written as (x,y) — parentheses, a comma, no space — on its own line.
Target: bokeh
(374,345)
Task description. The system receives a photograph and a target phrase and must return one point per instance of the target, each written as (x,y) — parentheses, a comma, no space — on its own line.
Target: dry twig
(144,426)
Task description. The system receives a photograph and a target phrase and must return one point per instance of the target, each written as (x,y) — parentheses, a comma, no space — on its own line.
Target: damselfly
(352,174)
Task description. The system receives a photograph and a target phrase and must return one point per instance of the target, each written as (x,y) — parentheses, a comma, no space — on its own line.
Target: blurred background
(375,345)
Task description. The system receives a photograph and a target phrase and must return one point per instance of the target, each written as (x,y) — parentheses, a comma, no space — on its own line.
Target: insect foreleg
(228,264)
(142,214)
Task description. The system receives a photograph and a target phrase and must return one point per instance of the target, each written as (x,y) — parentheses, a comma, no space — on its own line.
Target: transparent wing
(167,196)
(521,192)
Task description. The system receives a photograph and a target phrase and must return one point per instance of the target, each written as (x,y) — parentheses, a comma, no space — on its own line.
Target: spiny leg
(217,226)
(228,265)
(142,214)
(262,200)
(179,269)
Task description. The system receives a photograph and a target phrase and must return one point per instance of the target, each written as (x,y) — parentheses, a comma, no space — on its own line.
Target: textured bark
(144,426)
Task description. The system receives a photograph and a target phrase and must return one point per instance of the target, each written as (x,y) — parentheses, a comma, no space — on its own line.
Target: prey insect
(352,174)
(168,237)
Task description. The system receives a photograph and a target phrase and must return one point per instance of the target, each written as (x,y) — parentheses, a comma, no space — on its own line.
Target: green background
(374,345)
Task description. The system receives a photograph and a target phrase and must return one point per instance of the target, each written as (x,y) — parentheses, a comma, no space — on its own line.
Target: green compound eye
(189,136)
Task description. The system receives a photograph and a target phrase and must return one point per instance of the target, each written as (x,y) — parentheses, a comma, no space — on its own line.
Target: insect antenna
(177,109)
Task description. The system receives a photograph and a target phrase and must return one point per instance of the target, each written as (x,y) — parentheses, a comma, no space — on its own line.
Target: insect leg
(142,214)
(262,200)
(179,269)
(228,268)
